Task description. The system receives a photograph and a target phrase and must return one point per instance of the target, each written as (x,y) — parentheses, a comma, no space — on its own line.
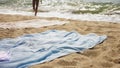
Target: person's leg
(33,4)
(36,8)
(41,1)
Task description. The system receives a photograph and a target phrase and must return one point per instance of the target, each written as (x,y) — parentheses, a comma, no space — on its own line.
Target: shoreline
(81,17)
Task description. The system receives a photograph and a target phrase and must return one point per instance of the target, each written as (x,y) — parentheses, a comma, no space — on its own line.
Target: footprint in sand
(46,67)
(67,63)
(106,64)
(92,53)
(117,61)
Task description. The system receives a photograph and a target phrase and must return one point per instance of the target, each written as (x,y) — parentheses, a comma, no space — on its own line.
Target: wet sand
(104,55)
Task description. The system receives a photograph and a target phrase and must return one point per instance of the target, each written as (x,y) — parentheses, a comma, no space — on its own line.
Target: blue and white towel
(32,49)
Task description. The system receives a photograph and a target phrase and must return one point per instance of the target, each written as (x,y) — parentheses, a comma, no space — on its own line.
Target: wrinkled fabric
(4,56)
(37,48)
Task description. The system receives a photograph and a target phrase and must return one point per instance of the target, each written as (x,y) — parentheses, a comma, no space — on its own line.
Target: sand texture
(104,55)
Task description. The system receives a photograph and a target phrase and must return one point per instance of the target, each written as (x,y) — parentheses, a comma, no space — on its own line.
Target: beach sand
(104,55)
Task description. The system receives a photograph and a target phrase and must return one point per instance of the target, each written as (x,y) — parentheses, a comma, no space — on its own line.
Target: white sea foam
(84,17)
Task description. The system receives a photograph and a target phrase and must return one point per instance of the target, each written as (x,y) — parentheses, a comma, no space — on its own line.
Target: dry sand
(104,55)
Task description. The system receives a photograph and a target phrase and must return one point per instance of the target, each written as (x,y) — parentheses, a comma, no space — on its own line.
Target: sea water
(95,10)
(59,4)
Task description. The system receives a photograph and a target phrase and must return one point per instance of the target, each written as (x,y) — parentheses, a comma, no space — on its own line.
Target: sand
(104,55)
